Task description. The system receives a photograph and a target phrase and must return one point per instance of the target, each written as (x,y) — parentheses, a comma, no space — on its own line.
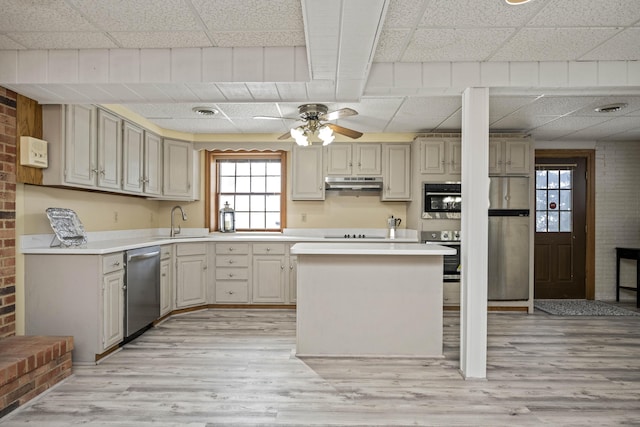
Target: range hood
(353,183)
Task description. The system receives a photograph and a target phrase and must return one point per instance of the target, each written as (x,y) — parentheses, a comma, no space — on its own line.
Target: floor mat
(580,307)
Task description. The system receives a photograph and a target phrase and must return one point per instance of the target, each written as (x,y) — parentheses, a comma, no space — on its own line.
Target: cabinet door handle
(204,268)
(116,264)
(230,249)
(282,267)
(230,292)
(291,267)
(268,249)
(230,261)
(230,275)
(164,274)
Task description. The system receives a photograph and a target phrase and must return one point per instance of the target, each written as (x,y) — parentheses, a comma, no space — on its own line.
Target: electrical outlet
(115,216)
(304,217)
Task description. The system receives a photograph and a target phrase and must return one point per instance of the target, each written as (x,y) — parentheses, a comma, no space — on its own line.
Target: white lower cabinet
(269,274)
(112,309)
(451,293)
(191,274)
(166,284)
(293,279)
(232,273)
(78,295)
(254,273)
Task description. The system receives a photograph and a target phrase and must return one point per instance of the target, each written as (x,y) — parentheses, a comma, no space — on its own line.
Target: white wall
(617,213)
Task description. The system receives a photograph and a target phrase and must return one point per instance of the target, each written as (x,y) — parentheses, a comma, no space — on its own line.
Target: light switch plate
(33,152)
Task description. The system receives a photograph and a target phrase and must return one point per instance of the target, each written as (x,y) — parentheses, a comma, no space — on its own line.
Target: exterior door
(560,237)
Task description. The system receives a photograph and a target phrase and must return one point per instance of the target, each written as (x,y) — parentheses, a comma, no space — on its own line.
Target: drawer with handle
(232,248)
(232,273)
(232,261)
(113,262)
(229,292)
(268,248)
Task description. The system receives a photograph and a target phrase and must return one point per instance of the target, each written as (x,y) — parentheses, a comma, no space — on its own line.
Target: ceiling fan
(314,116)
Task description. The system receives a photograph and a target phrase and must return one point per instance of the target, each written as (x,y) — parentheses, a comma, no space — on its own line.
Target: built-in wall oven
(442,200)
(451,263)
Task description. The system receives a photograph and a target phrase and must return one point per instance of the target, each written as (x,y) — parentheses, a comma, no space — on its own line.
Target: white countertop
(108,242)
(358,248)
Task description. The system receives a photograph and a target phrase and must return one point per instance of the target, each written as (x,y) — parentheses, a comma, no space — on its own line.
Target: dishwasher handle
(143,256)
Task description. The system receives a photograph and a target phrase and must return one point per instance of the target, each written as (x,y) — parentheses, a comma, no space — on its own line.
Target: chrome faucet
(184,218)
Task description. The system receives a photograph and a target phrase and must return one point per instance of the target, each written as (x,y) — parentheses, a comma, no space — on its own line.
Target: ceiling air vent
(611,108)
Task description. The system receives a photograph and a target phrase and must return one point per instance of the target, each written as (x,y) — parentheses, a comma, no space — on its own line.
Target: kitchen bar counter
(369,300)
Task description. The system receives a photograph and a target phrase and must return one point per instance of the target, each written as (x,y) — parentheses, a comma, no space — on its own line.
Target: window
(253,183)
(554,194)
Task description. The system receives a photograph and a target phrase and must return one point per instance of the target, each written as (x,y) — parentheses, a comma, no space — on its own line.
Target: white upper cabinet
(133,155)
(440,156)
(509,157)
(354,159)
(396,172)
(307,179)
(152,181)
(109,150)
(178,169)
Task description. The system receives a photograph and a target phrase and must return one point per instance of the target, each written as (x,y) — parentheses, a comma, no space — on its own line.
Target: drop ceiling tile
(119,93)
(404,14)
(258,38)
(7,43)
(411,124)
(250,15)
(633,106)
(521,122)
(205,125)
(206,91)
(624,46)
(501,106)
(555,105)
(452,123)
(242,111)
(430,107)
(177,92)
(50,15)
(578,13)
(264,91)
(448,44)
(390,45)
(161,39)
(63,40)
(149,92)
(139,15)
(474,13)
(260,126)
(235,91)
(293,91)
(551,44)
(632,136)
(567,125)
(605,129)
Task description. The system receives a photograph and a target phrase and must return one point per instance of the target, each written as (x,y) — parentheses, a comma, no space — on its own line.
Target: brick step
(30,365)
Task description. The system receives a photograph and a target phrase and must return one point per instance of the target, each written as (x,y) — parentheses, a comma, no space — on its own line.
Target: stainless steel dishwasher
(142,290)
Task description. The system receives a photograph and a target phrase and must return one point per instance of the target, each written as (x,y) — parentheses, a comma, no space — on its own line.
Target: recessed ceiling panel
(404,14)
(49,15)
(448,44)
(258,38)
(391,45)
(250,15)
(623,46)
(475,14)
(63,40)
(587,13)
(552,44)
(139,15)
(161,39)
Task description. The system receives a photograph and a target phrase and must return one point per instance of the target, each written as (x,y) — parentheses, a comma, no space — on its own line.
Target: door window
(554,188)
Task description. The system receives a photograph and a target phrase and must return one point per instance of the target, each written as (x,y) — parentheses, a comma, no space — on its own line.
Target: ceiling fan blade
(285,136)
(338,114)
(275,118)
(344,131)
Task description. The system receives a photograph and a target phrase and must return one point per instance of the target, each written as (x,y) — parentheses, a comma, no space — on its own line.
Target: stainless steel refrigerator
(509,230)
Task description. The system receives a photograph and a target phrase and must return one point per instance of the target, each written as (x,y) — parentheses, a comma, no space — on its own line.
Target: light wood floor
(236,367)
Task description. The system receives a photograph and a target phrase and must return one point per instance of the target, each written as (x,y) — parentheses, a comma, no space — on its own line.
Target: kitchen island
(369,299)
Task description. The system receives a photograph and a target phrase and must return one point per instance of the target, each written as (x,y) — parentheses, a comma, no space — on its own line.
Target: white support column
(475,225)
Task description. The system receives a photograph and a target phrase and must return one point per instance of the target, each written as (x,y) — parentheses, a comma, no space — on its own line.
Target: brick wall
(7,212)
(617,213)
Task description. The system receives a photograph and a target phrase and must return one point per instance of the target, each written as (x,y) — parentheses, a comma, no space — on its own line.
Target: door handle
(143,256)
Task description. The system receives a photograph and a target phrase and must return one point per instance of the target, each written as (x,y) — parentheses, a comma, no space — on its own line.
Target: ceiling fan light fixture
(326,135)
(300,136)
(205,111)
(610,108)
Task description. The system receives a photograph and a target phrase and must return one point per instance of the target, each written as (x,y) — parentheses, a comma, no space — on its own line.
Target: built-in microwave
(442,200)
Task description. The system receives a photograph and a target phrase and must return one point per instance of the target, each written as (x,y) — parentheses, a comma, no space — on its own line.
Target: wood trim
(211,171)
(590,261)
(28,123)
